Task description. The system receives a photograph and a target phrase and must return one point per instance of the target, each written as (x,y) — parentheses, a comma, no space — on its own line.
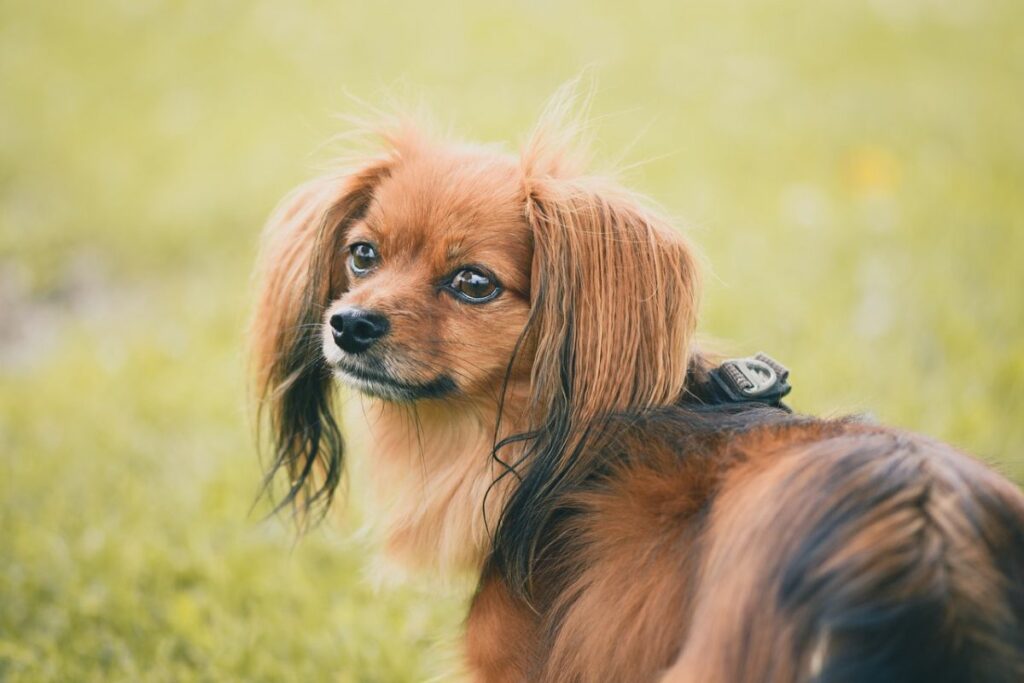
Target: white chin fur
(373,389)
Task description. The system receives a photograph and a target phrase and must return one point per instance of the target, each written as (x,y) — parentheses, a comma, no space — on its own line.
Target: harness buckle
(760,378)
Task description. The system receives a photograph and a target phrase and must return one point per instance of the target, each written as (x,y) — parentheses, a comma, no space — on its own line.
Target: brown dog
(523,334)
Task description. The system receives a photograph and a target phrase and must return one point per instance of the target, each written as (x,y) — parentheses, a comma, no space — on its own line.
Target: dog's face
(438,272)
(437,275)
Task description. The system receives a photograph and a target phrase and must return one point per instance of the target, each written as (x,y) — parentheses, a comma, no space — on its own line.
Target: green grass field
(854,173)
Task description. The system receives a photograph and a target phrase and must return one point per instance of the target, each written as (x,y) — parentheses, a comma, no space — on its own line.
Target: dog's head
(432,278)
(439,272)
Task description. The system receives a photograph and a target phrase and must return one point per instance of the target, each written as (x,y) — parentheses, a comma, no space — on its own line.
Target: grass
(853,172)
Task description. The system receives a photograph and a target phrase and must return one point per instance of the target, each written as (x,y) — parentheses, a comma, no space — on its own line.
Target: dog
(522,333)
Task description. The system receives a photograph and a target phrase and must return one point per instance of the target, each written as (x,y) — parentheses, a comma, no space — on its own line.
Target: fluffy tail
(879,558)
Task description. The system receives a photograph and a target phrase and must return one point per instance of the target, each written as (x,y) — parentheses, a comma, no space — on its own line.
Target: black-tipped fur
(295,383)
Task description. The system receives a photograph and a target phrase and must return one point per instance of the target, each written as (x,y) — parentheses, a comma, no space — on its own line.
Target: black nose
(355,330)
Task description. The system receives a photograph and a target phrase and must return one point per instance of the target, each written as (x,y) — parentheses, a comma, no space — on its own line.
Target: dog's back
(864,557)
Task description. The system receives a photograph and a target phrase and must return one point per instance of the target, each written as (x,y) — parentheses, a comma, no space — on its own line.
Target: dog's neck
(434,476)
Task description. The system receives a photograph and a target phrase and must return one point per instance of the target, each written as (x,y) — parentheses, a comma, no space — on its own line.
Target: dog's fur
(553,441)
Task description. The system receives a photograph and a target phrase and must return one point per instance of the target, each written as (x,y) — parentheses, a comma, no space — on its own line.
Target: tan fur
(639,535)
(502,636)
(914,542)
(431,473)
(433,460)
(621,532)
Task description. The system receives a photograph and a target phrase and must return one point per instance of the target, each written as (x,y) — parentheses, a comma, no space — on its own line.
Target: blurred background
(852,170)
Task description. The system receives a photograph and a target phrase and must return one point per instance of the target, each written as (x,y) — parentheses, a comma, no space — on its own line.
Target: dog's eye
(474,286)
(362,258)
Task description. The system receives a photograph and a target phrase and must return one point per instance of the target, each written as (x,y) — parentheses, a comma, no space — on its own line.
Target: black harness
(758,379)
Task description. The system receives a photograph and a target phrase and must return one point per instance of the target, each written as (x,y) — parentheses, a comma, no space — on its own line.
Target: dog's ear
(301,272)
(614,295)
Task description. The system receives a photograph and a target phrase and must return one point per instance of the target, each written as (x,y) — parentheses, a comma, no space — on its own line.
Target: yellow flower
(871,169)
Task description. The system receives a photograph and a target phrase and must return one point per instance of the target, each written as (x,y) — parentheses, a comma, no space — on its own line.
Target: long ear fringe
(615,294)
(299,277)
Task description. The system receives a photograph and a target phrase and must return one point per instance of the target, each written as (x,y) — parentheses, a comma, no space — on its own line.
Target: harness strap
(758,379)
